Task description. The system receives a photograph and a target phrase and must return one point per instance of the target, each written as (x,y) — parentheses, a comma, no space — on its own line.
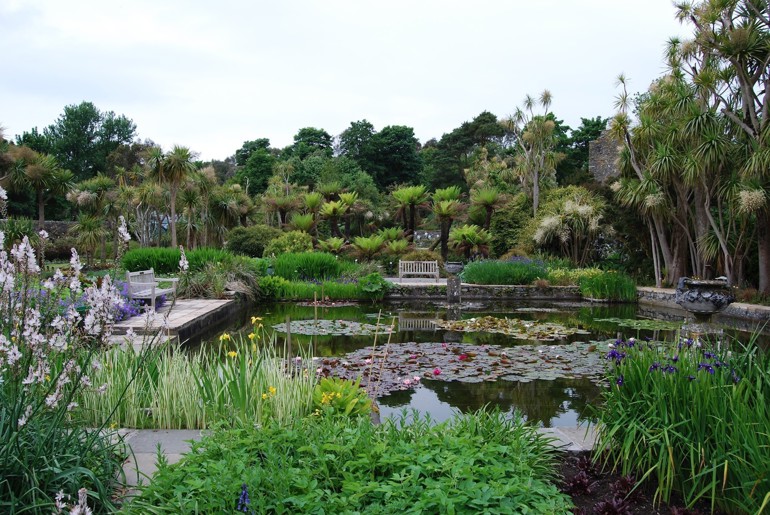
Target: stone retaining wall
(485,292)
(665,298)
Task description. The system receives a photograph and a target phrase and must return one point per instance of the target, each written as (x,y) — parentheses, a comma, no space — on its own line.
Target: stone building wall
(603,155)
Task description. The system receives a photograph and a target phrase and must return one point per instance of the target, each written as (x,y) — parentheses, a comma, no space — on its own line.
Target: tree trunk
(40,210)
(172,221)
(535,192)
(763,246)
(445,227)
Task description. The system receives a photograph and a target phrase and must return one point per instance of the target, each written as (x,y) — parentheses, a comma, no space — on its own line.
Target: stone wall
(603,155)
(485,292)
(664,298)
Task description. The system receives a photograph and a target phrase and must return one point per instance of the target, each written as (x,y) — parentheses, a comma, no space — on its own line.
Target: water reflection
(547,403)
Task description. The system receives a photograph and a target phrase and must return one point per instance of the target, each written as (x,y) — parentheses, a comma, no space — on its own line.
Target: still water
(544,402)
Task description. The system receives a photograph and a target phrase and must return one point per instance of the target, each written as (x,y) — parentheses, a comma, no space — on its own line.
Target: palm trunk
(172,221)
(763,247)
(40,210)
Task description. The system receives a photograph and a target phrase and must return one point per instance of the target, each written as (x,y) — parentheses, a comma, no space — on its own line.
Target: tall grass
(309,266)
(694,420)
(613,286)
(246,380)
(503,272)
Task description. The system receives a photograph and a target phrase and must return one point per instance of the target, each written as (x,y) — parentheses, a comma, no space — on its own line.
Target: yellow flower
(253,347)
(272,390)
(264,396)
(114,425)
(225,336)
(252,336)
(232,353)
(254,320)
(47,377)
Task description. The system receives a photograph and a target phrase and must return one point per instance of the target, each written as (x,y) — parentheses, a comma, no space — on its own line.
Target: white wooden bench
(144,285)
(421,268)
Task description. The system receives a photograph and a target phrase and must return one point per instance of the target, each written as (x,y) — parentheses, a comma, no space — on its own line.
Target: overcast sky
(211,75)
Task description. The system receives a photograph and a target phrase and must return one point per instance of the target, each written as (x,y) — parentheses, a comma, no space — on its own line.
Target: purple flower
(617,356)
(620,380)
(669,369)
(691,378)
(655,366)
(243,500)
(675,358)
(707,367)
(709,355)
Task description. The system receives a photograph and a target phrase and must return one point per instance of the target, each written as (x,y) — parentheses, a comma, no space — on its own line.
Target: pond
(544,359)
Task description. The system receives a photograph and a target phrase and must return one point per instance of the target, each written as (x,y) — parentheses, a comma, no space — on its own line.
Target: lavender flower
(243,500)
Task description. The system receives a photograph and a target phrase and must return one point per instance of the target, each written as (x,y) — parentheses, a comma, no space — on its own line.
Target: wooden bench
(144,285)
(421,268)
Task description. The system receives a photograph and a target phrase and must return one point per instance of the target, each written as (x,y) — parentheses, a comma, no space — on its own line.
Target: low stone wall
(485,292)
(665,298)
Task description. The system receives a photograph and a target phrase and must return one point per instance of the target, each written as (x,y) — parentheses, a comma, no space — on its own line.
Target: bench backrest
(140,280)
(418,267)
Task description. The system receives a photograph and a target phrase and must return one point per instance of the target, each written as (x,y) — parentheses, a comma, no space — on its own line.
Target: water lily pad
(514,327)
(394,367)
(651,325)
(333,327)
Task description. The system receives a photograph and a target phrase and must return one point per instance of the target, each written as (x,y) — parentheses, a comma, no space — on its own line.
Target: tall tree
(355,142)
(82,138)
(310,140)
(535,140)
(397,159)
(174,168)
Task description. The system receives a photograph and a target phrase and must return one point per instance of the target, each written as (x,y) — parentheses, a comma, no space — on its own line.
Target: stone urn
(703,298)
(454,267)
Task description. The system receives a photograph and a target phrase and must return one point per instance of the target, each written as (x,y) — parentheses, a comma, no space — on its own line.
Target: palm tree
(488,199)
(333,211)
(313,201)
(90,232)
(446,211)
(351,201)
(470,239)
(410,199)
(173,170)
(302,222)
(368,247)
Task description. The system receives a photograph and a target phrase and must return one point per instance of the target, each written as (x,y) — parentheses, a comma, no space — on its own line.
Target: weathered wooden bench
(419,268)
(144,285)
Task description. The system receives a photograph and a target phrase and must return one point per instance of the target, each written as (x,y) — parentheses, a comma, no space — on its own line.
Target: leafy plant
(290,242)
(332,245)
(374,286)
(609,286)
(691,418)
(503,272)
(368,247)
(477,463)
(251,240)
(308,266)
(272,286)
(335,396)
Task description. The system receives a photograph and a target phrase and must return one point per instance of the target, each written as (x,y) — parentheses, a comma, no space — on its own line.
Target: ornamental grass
(692,418)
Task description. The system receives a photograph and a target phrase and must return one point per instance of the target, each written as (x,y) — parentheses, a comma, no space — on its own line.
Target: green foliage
(165,260)
(251,240)
(423,255)
(335,396)
(332,245)
(292,241)
(307,266)
(240,381)
(479,463)
(367,247)
(693,419)
(213,279)
(16,228)
(501,272)
(613,286)
(570,276)
(507,223)
(272,287)
(373,286)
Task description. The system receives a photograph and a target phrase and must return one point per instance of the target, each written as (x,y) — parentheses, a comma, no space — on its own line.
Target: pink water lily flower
(408,382)
(436,371)
(416,379)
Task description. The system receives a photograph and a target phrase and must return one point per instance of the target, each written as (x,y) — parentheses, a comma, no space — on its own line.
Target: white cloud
(212,75)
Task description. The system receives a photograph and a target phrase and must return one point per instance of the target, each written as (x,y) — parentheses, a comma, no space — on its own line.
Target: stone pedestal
(453,289)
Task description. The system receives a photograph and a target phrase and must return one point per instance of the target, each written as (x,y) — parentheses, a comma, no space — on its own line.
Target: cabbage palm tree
(89,233)
(174,170)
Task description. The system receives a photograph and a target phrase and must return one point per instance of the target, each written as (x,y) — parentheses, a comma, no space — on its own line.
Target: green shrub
(335,396)
(251,240)
(292,241)
(203,256)
(694,418)
(373,286)
(570,276)
(478,463)
(307,266)
(422,255)
(524,271)
(272,287)
(609,286)
(331,290)
(163,260)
